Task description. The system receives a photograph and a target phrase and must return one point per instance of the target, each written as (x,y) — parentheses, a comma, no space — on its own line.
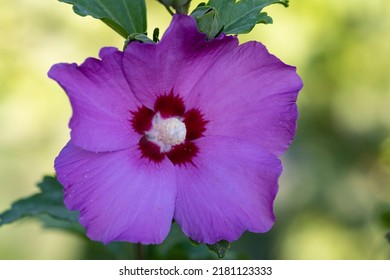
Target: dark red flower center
(168,130)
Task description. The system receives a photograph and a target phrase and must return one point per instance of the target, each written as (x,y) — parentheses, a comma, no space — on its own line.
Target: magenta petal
(101,101)
(120,196)
(249,94)
(229,188)
(154,69)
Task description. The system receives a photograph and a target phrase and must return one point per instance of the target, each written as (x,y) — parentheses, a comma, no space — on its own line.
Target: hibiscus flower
(187,129)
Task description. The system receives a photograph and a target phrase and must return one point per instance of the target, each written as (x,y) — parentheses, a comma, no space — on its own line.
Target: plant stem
(139,251)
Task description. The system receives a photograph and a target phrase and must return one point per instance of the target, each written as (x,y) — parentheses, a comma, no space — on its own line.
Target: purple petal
(154,69)
(229,188)
(101,101)
(120,196)
(251,95)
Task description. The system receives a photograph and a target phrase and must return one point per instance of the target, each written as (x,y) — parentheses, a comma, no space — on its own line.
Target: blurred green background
(336,180)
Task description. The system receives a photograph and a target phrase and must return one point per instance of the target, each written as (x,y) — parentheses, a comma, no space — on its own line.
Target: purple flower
(187,130)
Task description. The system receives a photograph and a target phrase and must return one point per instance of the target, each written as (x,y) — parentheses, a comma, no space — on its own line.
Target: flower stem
(139,251)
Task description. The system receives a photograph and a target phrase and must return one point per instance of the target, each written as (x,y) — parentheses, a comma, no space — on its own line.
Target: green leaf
(48,206)
(235,17)
(139,37)
(194,243)
(124,16)
(220,248)
(264,18)
(208,21)
(70,225)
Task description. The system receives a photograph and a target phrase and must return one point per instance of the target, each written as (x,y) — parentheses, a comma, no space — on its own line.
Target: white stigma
(171,131)
(167,132)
